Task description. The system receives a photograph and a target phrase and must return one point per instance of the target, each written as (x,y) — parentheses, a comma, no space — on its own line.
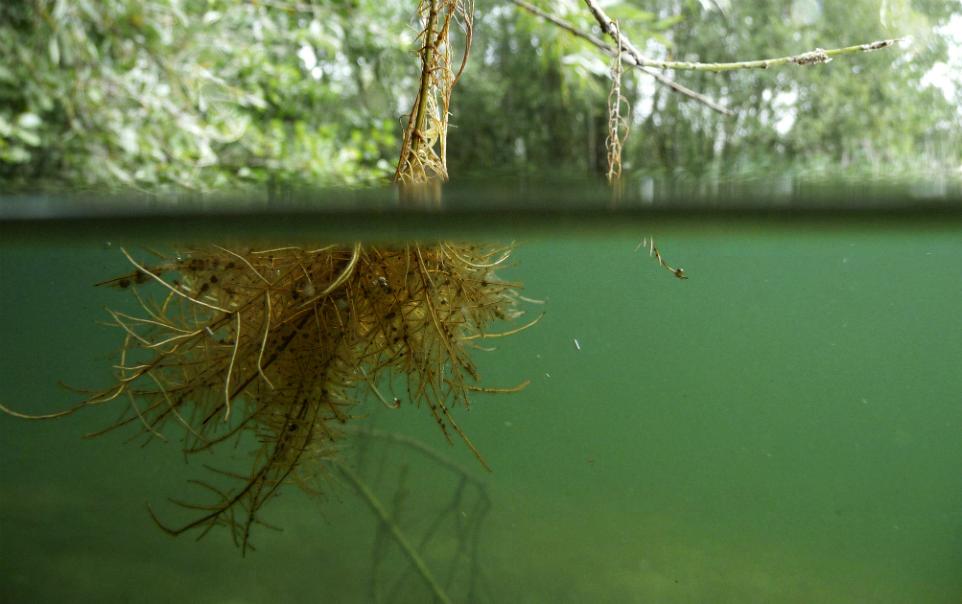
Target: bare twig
(649,242)
(466,518)
(417,446)
(812,57)
(375,504)
(627,58)
(718,5)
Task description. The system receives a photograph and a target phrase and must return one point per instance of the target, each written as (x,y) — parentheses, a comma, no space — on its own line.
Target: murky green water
(784,426)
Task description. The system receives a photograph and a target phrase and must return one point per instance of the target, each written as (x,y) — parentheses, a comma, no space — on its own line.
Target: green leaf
(628,12)
(29,121)
(27,137)
(15,155)
(664,24)
(53,48)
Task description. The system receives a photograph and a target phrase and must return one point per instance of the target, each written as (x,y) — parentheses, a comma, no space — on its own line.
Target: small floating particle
(577,344)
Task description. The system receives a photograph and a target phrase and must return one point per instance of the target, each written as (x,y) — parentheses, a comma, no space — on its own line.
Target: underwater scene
(783,423)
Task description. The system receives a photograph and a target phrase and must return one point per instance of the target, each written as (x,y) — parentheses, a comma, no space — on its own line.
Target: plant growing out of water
(275,348)
(422,165)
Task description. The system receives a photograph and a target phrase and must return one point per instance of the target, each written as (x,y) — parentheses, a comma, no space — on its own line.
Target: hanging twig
(627,58)
(378,508)
(649,242)
(417,445)
(812,57)
(424,147)
(467,518)
(618,125)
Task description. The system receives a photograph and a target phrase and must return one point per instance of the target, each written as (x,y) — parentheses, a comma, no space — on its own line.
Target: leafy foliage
(227,94)
(195,94)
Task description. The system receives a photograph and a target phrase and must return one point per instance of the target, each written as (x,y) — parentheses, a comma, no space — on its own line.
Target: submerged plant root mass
(281,344)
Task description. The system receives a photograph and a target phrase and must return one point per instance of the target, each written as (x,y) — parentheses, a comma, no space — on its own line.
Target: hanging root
(619,112)
(275,349)
(424,149)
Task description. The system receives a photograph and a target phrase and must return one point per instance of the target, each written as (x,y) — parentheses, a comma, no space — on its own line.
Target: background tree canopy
(228,94)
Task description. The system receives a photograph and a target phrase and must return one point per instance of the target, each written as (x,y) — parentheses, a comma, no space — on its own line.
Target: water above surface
(783,426)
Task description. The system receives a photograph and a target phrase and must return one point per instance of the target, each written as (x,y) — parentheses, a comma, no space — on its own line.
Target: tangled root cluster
(424,148)
(281,344)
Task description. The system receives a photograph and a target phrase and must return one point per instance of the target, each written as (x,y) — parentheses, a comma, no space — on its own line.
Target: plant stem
(375,504)
(627,58)
(412,134)
(427,58)
(807,58)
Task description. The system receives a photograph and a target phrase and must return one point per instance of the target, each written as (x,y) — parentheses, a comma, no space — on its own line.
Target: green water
(784,426)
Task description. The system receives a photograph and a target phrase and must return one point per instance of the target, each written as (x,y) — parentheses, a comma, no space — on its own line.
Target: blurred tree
(197,94)
(211,94)
(869,112)
(538,101)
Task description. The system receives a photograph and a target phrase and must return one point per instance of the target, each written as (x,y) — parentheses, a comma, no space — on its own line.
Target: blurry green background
(255,94)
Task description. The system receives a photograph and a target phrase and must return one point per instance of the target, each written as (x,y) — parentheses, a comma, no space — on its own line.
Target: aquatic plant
(282,344)
(275,348)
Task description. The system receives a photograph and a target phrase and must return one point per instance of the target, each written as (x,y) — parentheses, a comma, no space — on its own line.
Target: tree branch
(627,57)
(378,508)
(806,58)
